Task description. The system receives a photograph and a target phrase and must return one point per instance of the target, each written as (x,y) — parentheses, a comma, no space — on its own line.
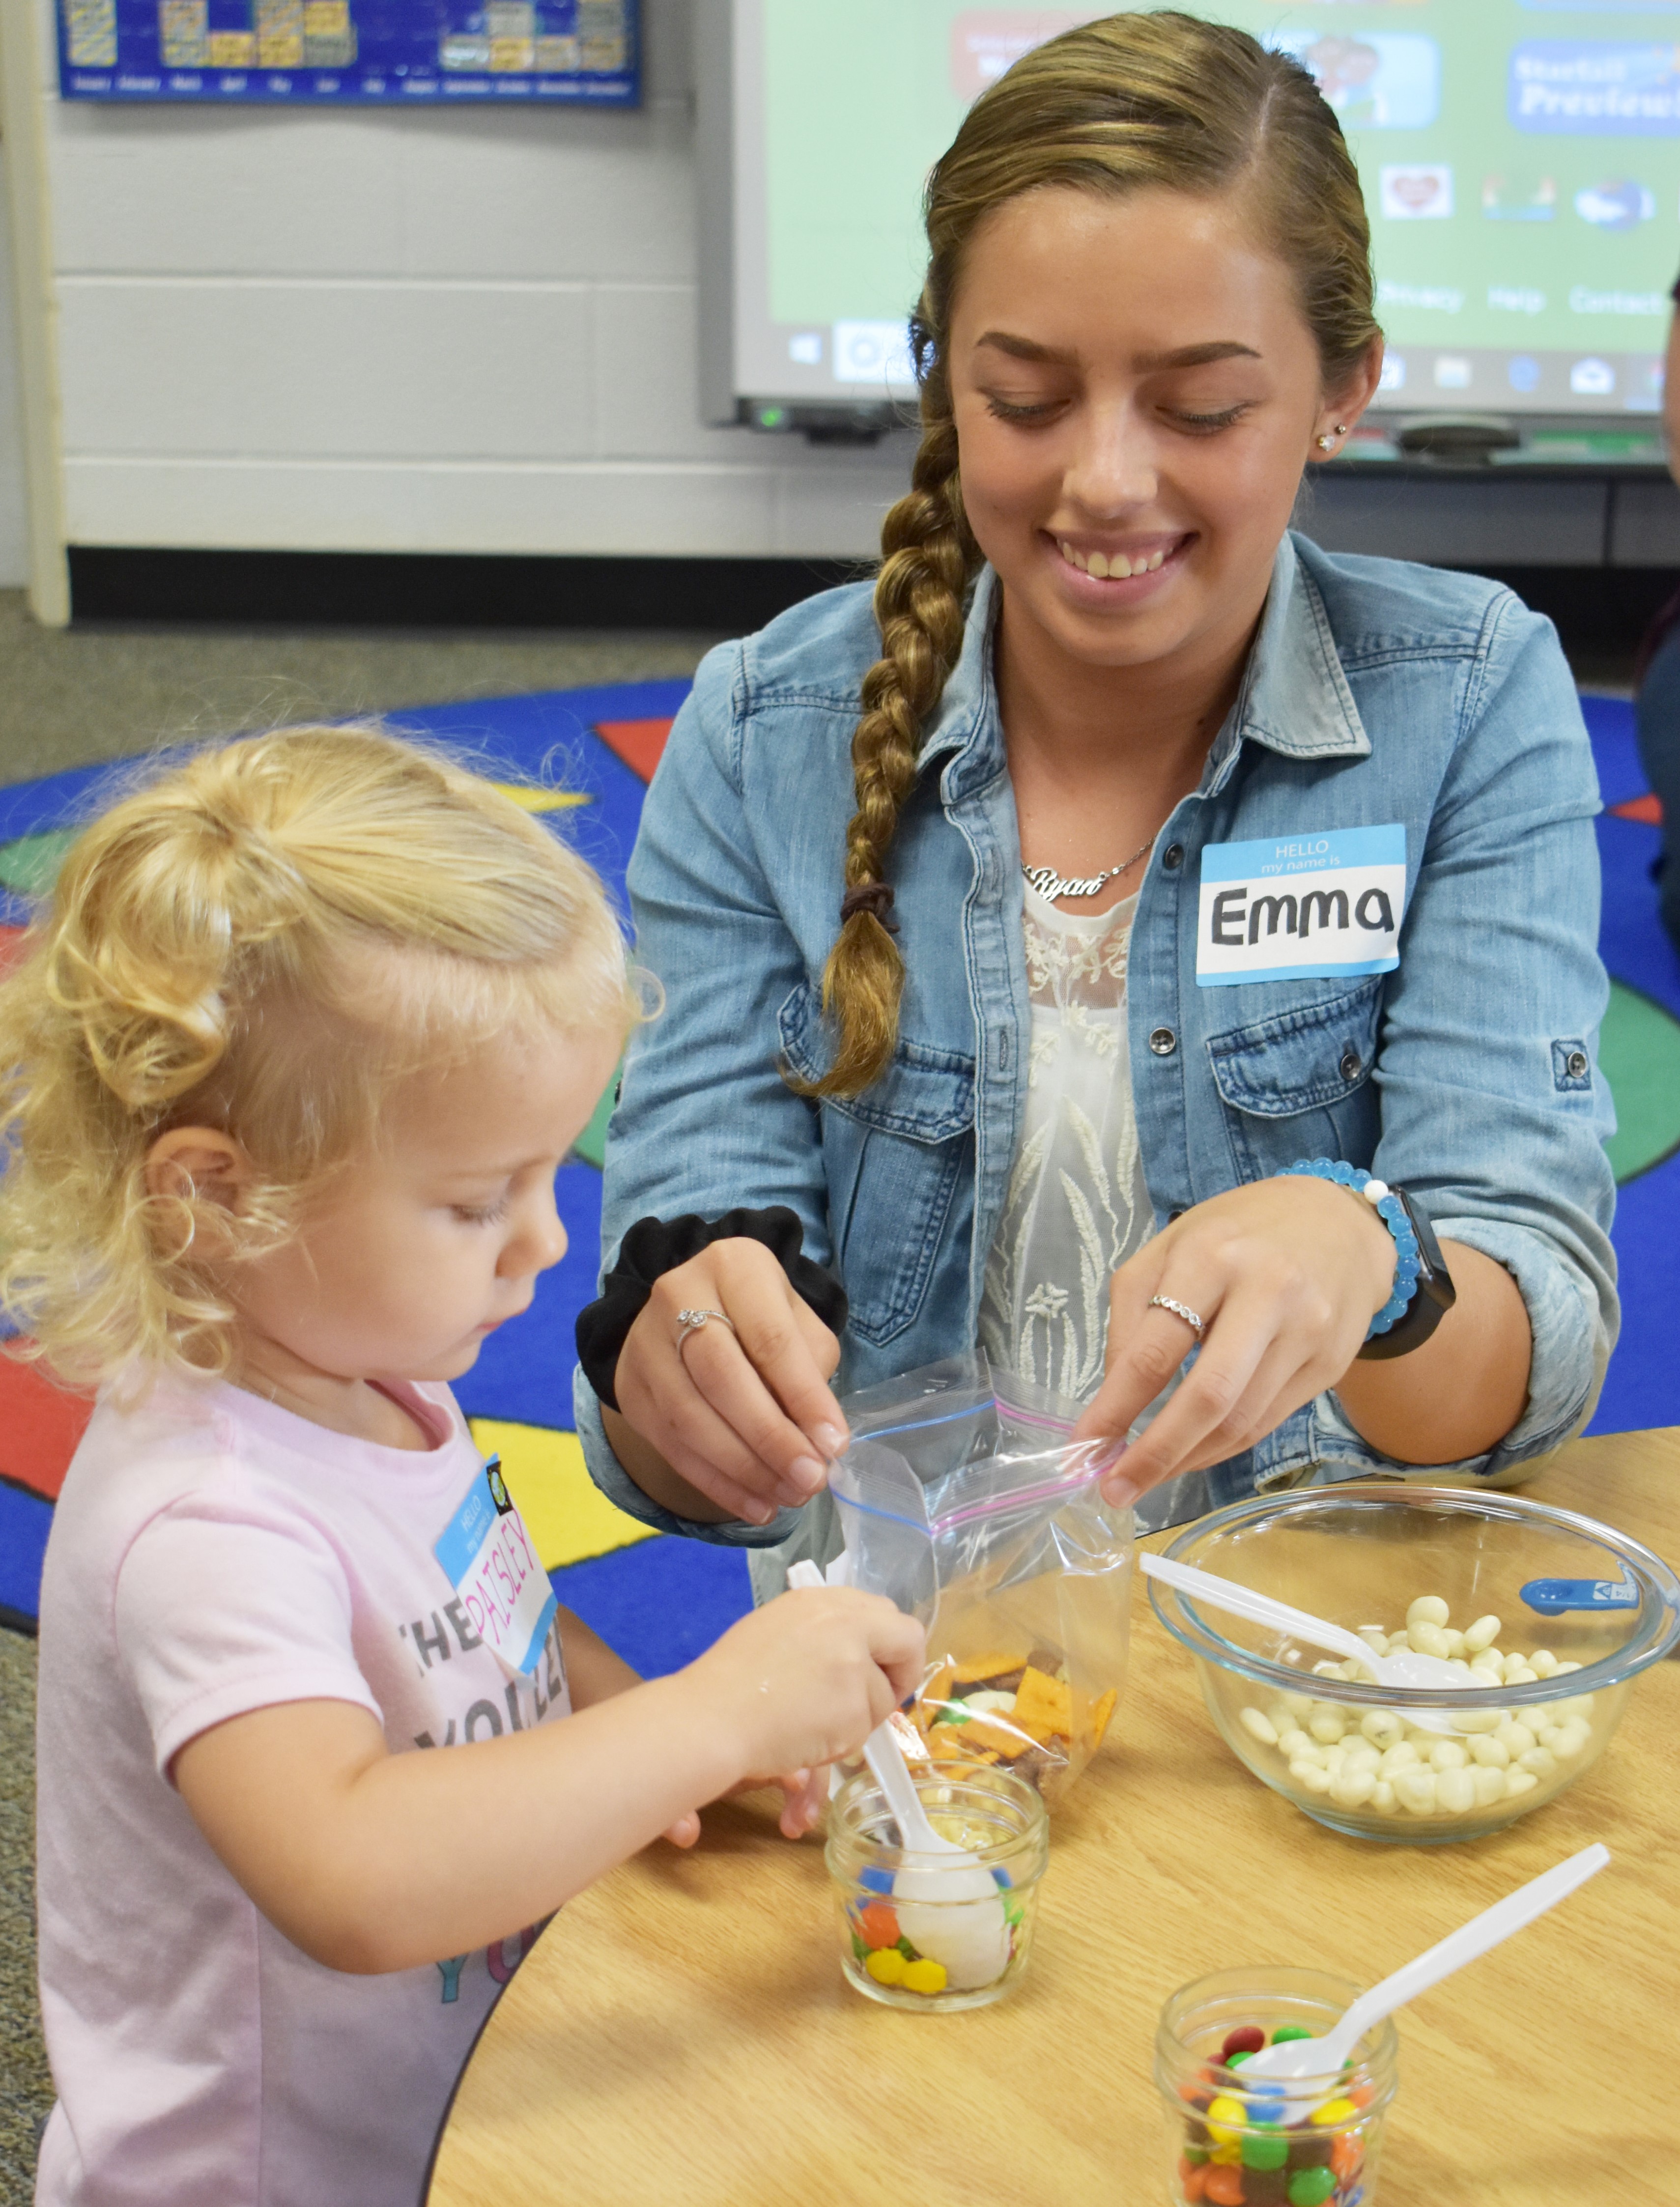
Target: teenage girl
(290,1064)
(1062,937)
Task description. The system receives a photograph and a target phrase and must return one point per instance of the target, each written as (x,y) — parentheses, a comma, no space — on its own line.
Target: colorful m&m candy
(1246,2146)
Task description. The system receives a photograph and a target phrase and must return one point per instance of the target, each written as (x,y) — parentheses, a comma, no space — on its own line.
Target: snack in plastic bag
(961,1498)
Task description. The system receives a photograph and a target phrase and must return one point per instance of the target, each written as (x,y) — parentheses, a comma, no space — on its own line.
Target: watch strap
(1435,1296)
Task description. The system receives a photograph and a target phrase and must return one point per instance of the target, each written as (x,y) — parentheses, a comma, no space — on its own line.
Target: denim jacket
(1375,693)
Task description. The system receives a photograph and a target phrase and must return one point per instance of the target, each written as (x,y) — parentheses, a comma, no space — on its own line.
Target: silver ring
(691,1321)
(1191,1319)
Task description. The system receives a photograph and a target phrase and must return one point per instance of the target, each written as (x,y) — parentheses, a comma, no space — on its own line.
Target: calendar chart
(316,51)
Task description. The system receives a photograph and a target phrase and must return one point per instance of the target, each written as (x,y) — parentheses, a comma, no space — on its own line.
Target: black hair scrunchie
(875,898)
(655,1246)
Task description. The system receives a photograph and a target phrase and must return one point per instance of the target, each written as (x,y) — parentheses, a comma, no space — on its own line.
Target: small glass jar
(915,1933)
(1235,2146)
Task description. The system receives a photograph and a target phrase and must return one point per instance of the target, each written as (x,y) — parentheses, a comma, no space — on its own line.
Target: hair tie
(875,898)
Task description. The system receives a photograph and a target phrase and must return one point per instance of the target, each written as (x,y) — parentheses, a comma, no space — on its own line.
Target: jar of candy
(938,1931)
(1234,2144)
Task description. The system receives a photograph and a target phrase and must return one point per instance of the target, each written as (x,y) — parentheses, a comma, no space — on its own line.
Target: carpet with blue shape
(586,755)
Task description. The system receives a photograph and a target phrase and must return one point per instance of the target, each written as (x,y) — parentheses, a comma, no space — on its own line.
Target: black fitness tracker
(1436,1293)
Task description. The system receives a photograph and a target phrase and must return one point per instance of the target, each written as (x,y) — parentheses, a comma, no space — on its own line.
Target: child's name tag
(493,1568)
(1301,905)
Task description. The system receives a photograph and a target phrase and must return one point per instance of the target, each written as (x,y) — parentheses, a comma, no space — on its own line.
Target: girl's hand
(746,1418)
(595,1674)
(1286,1274)
(804,1792)
(807,1679)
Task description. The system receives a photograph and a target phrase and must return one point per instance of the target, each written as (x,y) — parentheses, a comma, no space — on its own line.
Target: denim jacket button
(1575,1064)
(1173,857)
(1163,1042)
(1352,1065)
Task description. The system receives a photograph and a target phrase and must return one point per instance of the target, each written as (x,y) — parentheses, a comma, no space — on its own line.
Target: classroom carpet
(584,756)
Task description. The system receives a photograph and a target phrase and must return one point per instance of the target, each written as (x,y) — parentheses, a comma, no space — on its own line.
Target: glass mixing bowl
(1346,1751)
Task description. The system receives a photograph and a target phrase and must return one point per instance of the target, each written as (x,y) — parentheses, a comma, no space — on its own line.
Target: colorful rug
(661,1600)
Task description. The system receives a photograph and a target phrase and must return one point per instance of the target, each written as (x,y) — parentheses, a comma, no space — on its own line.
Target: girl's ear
(198,1161)
(1358,390)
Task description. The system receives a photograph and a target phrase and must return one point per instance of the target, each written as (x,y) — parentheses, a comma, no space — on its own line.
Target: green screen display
(1521,161)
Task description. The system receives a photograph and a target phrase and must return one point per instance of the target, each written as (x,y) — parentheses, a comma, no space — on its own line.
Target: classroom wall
(475,332)
(14,521)
(392,330)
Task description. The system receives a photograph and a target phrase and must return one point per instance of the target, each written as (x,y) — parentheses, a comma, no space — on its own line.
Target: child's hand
(808,1678)
(804,1792)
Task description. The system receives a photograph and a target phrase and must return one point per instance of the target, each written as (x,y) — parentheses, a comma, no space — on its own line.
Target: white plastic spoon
(951,1910)
(1410,1672)
(1324,2058)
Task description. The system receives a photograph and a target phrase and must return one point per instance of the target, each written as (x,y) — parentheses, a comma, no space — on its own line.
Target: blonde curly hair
(1136,101)
(264,940)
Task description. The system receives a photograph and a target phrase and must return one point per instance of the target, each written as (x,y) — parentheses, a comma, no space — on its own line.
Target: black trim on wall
(1599,610)
(465,590)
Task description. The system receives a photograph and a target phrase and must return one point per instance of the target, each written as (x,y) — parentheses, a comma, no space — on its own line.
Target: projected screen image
(1521,161)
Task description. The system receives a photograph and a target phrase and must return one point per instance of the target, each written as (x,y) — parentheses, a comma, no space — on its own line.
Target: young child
(288,1066)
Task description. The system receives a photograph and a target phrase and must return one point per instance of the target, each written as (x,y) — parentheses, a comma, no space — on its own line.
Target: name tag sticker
(1301,905)
(493,1568)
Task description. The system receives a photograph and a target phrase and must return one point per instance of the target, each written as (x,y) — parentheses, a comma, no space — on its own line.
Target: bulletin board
(322,52)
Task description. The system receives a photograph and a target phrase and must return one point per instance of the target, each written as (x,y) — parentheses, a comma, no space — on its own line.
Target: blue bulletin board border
(395,55)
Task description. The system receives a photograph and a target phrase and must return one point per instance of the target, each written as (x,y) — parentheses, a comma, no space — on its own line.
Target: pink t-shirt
(212,1554)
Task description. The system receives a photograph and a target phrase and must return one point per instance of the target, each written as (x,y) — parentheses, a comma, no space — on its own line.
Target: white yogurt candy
(1377,1761)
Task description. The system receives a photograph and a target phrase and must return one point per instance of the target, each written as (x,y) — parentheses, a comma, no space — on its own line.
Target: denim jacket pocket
(893,1158)
(1298,1084)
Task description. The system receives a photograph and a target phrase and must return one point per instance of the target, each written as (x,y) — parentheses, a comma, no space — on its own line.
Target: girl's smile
(1119,566)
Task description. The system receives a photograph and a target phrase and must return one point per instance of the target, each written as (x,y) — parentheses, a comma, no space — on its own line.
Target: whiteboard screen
(1521,160)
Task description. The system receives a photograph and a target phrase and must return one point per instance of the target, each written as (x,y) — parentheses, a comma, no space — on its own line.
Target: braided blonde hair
(263,940)
(1116,106)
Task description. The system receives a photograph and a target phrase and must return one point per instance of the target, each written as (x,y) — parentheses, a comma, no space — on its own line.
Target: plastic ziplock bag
(962,1499)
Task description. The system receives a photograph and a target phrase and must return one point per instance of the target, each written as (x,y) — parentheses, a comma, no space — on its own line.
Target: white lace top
(1077,1205)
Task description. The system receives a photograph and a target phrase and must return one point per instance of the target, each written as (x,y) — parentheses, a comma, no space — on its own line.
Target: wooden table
(681,2035)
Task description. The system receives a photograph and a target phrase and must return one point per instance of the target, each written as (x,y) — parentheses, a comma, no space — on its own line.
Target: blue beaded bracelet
(1392,1212)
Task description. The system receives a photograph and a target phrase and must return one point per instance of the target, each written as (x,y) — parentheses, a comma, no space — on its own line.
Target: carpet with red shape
(1646,810)
(639,744)
(39,1427)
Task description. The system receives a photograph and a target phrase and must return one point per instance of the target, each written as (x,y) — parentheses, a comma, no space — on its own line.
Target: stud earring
(1328,444)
